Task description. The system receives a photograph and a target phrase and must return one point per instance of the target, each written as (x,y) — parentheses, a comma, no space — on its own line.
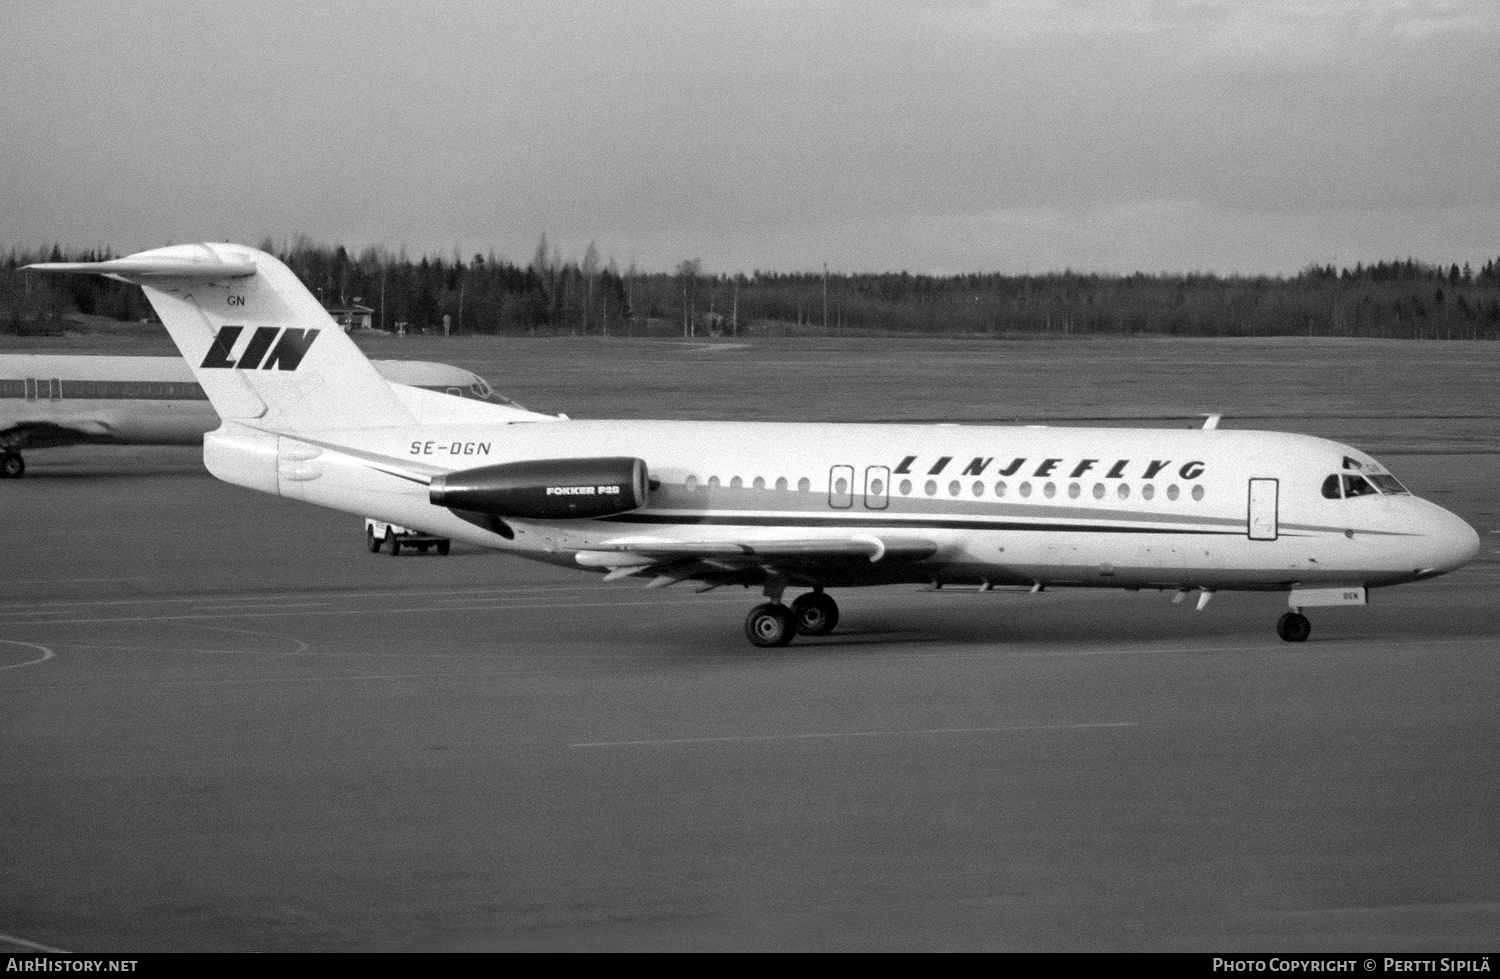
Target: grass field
(1387,396)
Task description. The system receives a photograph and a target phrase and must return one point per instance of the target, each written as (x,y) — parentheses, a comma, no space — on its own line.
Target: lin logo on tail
(264,351)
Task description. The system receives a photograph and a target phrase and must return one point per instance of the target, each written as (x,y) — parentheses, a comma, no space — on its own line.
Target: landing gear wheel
(1293,627)
(816,614)
(12,466)
(770,624)
(371,541)
(443,546)
(391,543)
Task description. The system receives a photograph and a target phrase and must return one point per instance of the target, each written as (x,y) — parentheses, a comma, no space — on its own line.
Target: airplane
(55,400)
(779,506)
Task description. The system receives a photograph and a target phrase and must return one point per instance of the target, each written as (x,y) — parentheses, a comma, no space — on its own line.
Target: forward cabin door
(1263,494)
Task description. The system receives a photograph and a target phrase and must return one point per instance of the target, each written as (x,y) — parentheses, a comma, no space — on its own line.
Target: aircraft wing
(724,562)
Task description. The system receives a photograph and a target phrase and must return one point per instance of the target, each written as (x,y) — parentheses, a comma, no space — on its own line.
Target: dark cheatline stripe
(888,524)
(108,390)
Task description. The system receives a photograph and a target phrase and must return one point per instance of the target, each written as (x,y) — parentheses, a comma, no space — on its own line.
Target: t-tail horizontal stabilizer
(264,350)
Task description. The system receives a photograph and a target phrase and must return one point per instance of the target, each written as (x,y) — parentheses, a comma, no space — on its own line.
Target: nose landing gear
(1293,627)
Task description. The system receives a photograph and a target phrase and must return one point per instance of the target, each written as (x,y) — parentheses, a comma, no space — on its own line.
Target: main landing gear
(773,624)
(12,466)
(1293,627)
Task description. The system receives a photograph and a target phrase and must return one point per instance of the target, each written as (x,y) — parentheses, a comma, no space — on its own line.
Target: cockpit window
(1348,486)
(478,391)
(483,392)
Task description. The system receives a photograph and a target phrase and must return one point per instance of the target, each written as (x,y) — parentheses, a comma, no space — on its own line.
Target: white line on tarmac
(273,604)
(49,581)
(299,645)
(362,611)
(29,608)
(90,647)
(46,654)
(856,734)
(231,681)
(32,945)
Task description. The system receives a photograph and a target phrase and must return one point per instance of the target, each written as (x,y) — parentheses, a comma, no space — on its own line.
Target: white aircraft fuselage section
(1105,507)
(51,400)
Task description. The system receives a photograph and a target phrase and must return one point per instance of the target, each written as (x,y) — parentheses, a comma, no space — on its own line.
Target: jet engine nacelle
(546,489)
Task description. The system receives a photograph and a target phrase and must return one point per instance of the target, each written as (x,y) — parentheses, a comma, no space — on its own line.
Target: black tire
(12,466)
(770,624)
(392,544)
(443,546)
(371,541)
(1293,627)
(816,614)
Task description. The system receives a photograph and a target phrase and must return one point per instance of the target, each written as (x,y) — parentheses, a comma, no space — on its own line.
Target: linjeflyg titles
(1043,468)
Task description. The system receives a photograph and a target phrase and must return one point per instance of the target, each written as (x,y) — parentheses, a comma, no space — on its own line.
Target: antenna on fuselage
(1211,422)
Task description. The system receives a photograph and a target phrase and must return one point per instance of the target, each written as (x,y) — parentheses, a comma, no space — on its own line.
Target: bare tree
(539,257)
(688,271)
(590,270)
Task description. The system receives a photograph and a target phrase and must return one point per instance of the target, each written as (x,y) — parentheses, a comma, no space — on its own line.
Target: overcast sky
(1103,135)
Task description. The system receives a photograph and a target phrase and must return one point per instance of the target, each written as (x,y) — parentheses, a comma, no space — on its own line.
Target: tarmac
(224,725)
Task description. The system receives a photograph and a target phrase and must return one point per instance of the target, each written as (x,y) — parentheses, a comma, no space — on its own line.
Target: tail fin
(264,350)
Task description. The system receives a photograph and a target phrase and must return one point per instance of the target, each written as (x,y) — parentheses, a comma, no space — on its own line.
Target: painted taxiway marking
(46,654)
(495,594)
(429,609)
(857,734)
(35,946)
(252,606)
(53,581)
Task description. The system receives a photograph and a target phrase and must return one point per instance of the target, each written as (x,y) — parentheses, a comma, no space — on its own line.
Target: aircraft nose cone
(1453,542)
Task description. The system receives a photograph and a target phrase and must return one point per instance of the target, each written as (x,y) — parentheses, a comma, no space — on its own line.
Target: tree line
(483,294)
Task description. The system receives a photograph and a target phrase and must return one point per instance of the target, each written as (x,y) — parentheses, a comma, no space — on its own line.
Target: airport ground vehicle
(380,534)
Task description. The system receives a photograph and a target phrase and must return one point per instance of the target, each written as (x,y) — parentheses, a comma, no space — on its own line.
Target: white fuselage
(1107,507)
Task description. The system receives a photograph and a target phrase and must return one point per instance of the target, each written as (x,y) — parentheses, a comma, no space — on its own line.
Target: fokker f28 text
(779,506)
